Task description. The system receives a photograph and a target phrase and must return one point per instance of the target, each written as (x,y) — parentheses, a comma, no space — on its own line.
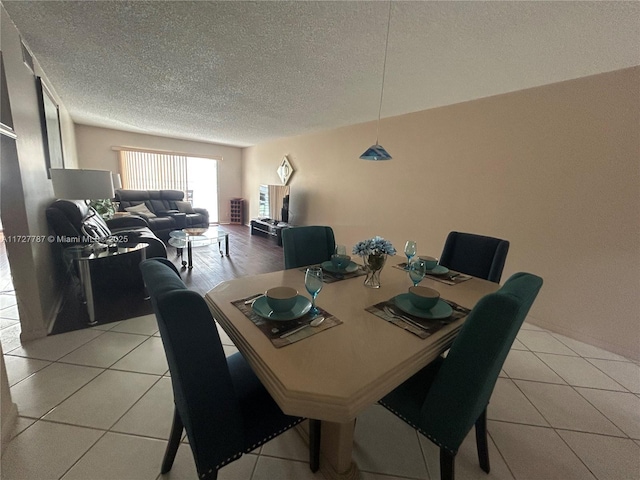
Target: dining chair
(307,245)
(219,400)
(444,400)
(476,255)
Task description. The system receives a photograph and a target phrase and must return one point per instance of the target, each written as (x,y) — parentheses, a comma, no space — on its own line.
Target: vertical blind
(153,171)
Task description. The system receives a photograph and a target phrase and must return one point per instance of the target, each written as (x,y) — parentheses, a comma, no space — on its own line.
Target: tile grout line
(574,388)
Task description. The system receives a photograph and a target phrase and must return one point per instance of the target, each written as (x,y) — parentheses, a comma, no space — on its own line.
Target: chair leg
(481,441)
(447,462)
(174,442)
(314,444)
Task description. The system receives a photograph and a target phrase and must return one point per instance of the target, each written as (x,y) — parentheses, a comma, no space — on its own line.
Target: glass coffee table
(198,237)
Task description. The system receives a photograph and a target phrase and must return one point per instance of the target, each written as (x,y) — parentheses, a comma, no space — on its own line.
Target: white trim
(165,152)
(7,130)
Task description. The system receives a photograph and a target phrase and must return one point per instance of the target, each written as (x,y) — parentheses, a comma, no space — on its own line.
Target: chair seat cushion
(261,415)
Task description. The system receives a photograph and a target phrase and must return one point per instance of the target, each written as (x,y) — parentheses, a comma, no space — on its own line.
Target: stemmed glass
(410,251)
(313,284)
(417,271)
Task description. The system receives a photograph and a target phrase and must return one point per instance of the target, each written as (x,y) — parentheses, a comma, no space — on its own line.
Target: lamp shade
(117,181)
(81,184)
(376,152)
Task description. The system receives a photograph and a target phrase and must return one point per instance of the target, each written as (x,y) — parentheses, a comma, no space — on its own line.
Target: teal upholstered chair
(446,398)
(307,245)
(220,402)
(476,255)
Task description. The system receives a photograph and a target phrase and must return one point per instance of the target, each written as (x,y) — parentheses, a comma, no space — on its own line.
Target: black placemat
(427,326)
(273,330)
(330,277)
(446,278)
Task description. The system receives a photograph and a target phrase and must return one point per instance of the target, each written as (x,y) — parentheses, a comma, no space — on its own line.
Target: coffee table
(198,237)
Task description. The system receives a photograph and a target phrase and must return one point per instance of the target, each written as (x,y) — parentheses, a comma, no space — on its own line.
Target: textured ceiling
(242,73)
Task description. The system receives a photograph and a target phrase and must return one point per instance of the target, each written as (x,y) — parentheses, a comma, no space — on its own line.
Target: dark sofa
(76,223)
(171,212)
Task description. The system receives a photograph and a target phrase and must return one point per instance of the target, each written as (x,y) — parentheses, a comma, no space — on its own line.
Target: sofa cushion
(141,209)
(171,195)
(158,206)
(134,196)
(185,207)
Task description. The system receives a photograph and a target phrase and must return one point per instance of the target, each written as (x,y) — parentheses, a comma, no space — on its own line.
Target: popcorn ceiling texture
(242,73)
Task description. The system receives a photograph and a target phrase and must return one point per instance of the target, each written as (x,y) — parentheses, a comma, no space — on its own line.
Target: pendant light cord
(384,69)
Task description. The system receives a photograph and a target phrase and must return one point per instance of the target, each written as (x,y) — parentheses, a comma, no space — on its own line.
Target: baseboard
(8,426)
(57,306)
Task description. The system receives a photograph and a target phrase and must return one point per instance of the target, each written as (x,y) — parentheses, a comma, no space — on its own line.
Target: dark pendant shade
(376,152)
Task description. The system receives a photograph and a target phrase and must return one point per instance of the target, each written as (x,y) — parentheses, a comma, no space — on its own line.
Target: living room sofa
(76,223)
(164,210)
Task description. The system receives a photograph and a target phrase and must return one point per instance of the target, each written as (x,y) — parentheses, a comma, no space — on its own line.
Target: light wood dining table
(336,374)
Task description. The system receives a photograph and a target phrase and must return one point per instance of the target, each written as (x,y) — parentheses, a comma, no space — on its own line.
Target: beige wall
(26,191)
(554,169)
(95,151)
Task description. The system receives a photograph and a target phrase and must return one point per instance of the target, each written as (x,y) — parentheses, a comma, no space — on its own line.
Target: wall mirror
(285,170)
(274,202)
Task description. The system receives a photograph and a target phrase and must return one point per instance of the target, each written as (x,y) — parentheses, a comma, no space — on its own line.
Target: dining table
(335,374)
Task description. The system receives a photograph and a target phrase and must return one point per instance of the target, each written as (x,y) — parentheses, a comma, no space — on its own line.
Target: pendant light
(377,151)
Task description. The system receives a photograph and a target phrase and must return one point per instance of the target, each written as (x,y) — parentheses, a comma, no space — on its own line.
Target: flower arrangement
(374,246)
(374,253)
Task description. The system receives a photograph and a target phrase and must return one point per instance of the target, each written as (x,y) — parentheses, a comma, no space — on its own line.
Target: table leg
(85,278)
(226,243)
(189,255)
(336,446)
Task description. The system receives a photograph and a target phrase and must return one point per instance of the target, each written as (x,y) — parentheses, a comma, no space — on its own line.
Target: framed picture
(50,123)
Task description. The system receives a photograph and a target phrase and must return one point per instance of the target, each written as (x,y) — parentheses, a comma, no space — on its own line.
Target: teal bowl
(423,298)
(430,261)
(281,299)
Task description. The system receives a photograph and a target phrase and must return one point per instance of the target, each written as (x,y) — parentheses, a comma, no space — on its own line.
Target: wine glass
(313,284)
(341,250)
(417,270)
(410,251)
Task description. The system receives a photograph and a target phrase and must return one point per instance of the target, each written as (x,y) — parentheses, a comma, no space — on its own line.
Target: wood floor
(248,255)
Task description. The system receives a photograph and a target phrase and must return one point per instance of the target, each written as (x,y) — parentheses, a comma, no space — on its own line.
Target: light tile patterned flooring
(97,404)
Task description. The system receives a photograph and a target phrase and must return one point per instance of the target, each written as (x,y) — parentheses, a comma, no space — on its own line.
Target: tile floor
(96,404)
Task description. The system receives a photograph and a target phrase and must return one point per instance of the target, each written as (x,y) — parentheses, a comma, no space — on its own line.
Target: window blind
(153,171)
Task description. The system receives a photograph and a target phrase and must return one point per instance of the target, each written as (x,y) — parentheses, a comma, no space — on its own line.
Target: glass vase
(373,265)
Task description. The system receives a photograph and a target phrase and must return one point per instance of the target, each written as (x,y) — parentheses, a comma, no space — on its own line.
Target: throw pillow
(141,209)
(185,207)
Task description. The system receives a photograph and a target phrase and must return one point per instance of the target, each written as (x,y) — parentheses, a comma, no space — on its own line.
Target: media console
(268,227)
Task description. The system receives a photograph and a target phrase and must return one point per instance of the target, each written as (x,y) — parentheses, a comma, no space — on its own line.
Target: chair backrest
(465,381)
(307,245)
(476,255)
(202,387)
